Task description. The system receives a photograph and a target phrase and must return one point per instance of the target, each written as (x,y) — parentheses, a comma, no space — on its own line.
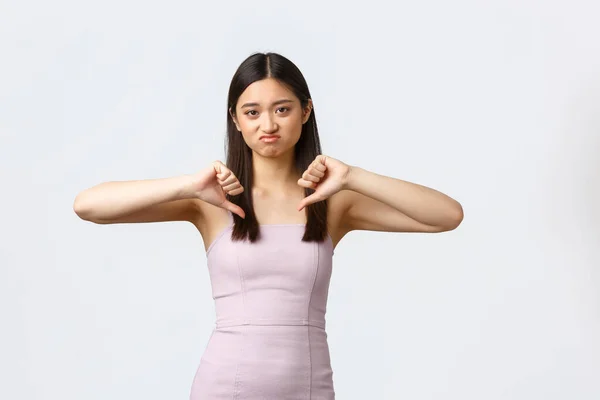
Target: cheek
(250,125)
(292,124)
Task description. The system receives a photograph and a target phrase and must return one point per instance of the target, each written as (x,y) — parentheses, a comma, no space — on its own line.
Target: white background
(495,103)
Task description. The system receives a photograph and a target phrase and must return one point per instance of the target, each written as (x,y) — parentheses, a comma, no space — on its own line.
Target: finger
(315,172)
(307,184)
(321,160)
(236,191)
(224,174)
(219,166)
(228,181)
(319,166)
(233,186)
(309,177)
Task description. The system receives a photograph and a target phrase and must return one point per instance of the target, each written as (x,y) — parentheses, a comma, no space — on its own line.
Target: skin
(272,162)
(358,199)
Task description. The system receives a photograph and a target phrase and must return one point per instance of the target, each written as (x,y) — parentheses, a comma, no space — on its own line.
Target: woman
(270,219)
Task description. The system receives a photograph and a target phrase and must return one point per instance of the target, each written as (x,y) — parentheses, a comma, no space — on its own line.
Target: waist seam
(269,322)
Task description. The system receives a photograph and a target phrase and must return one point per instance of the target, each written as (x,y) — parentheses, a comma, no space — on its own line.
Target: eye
(254,111)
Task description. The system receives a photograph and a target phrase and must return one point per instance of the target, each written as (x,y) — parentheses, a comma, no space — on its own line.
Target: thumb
(234,208)
(313,198)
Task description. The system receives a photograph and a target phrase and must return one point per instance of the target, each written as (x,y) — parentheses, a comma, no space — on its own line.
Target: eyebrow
(273,104)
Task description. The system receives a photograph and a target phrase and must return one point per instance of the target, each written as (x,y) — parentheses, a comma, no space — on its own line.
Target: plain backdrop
(495,103)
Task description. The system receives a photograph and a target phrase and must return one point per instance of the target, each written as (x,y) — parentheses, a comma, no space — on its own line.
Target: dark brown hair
(256,67)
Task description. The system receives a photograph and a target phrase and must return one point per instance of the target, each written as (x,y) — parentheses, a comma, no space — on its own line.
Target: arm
(381,203)
(151,200)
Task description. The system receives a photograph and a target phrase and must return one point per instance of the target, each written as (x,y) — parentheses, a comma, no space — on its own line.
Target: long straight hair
(256,67)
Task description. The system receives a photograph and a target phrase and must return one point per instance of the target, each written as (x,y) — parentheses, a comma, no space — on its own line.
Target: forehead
(265,92)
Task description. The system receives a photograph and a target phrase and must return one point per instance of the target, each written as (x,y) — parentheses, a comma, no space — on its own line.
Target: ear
(234,120)
(307,110)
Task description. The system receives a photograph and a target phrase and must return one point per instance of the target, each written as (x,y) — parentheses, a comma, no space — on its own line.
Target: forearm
(114,199)
(419,202)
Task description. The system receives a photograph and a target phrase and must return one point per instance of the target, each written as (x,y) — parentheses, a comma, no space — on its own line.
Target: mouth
(269,138)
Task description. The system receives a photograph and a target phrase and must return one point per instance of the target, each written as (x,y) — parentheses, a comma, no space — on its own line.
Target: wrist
(186,185)
(350,178)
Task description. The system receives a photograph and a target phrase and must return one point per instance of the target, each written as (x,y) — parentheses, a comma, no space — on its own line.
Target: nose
(268,123)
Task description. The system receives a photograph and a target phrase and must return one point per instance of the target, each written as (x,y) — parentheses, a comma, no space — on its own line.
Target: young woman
(270,218)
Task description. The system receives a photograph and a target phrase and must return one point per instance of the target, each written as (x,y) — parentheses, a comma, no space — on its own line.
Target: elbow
(457,217)
(453,220)
(81,208)
(78,207)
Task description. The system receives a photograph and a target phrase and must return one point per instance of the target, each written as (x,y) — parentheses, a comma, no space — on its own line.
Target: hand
(212,183)
(327,176)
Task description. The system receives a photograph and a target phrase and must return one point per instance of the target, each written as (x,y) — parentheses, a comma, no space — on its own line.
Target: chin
(273,151)
(270,153)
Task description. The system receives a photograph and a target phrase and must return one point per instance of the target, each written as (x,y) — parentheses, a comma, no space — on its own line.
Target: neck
(275,174)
